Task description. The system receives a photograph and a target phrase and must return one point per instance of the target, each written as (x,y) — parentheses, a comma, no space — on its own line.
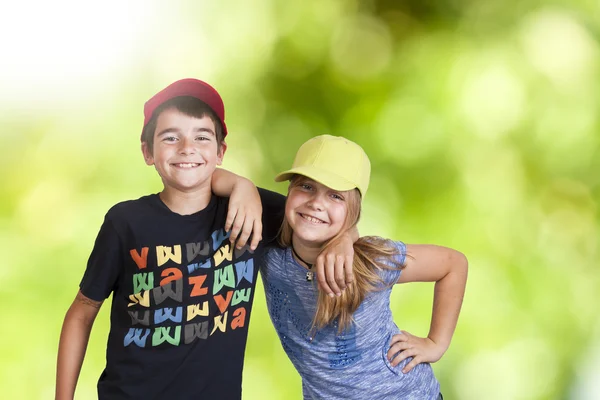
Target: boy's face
(185,152)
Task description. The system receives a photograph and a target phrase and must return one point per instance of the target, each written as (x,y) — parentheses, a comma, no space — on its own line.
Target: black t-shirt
(182,296)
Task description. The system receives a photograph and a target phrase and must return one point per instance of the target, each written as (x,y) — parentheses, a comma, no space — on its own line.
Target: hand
(244,214)
(420,349)
(334,266)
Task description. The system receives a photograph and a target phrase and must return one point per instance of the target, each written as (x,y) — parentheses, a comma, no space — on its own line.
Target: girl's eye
(306,186)
(337,196)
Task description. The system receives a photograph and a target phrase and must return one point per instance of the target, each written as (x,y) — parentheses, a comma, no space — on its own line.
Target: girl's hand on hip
(422,350)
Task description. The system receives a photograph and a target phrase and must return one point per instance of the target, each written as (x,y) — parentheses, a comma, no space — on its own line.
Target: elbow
(461,263)
(76,318)
(81,316)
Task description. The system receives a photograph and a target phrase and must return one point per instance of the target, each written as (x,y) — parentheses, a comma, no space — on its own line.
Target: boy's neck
(308,252)
(185,203)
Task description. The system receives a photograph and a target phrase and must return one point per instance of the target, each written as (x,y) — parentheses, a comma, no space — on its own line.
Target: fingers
(399,343)
(413,363)
(236,228)
(256,234)
(325,269)
(321,278)
(230,217)
(245,233)
(403,346)
(330,274)
(349,269)
(402,351)
(334,267)
(242,225)
(338,272)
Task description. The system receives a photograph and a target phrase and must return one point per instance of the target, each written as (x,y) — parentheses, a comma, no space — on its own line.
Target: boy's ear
(221,153)
(147,154)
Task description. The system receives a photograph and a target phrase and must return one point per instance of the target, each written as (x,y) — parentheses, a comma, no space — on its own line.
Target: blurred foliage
(480,118)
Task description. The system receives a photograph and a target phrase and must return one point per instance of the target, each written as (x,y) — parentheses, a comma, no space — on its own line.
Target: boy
(182,294)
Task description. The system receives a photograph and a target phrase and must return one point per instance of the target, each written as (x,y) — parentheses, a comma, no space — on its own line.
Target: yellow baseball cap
(333,161)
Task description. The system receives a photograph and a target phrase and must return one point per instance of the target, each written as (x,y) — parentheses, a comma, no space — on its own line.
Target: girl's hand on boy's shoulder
(422,350)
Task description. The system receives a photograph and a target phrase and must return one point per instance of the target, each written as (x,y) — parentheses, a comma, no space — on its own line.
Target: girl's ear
(147,154)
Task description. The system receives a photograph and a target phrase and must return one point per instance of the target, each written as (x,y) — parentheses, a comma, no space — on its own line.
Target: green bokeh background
(480,118)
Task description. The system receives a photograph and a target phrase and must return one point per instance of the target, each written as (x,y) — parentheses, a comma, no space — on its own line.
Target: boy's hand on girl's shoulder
(334,266)
(244,216)
(422,350)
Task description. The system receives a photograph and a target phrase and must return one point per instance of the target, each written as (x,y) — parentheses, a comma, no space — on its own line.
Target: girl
(348,347)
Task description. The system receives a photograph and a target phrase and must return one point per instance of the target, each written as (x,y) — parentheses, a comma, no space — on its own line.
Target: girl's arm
(73,344)
(448,269)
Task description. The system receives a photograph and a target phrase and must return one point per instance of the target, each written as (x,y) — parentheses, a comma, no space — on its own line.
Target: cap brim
(328,179)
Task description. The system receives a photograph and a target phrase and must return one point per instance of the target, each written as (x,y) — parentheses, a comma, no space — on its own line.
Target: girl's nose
(316,202)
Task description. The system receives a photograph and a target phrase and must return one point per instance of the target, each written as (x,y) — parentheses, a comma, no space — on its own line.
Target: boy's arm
(334,265)
(245,207)
(73,344)
(448,269)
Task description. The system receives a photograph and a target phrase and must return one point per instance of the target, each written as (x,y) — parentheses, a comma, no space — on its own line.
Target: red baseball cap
(188,87)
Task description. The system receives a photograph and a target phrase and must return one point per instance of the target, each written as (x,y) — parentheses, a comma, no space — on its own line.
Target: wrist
(439,342)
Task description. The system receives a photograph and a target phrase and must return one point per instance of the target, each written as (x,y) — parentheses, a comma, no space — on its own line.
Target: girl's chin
(312,240)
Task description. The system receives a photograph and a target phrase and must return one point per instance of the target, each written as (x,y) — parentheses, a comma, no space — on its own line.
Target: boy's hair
(188,105)
(371,254)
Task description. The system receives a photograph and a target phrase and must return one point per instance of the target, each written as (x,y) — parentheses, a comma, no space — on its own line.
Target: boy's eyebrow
(177,130)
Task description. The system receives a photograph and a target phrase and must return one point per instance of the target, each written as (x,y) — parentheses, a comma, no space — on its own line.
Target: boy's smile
(185,152)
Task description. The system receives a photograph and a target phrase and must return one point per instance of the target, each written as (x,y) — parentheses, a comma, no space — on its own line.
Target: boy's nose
(186,146)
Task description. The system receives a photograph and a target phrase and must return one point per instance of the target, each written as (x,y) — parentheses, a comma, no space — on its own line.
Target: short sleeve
(104,264)
(391,276)
(273,212)
(401,257)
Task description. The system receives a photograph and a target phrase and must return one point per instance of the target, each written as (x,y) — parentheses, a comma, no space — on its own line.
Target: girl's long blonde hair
(370,252)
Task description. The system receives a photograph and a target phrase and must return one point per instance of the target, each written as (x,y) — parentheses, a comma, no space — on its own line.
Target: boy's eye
(202,138)
(169,139)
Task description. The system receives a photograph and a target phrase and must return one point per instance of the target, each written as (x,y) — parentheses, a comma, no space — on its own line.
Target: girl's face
(315,212)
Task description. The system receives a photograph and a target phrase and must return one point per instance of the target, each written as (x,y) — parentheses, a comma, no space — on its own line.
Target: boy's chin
(185,187)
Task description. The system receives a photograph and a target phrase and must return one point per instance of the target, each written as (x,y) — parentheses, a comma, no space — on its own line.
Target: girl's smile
(315,212)
(311,219)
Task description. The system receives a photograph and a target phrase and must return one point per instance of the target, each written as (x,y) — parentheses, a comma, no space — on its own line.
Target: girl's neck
(305,253)
(185,203)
